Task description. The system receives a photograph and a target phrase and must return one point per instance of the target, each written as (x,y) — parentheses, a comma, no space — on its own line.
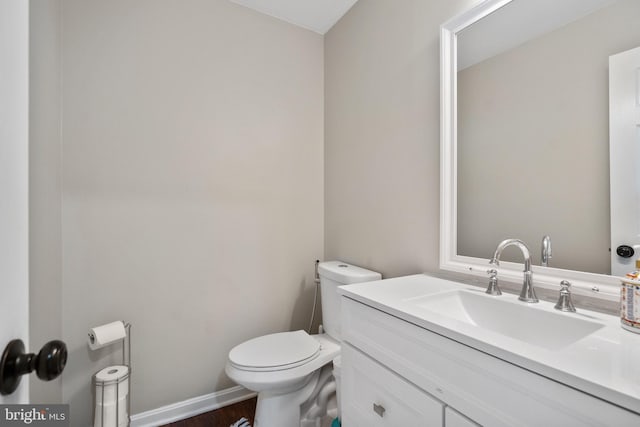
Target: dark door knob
(625,251)
(48,363)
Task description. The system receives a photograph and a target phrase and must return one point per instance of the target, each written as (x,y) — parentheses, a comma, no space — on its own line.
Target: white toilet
(291,371)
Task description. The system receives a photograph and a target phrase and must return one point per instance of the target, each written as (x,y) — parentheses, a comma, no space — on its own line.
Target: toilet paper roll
(106,414)
(113,382)
(101,336)
(112,390)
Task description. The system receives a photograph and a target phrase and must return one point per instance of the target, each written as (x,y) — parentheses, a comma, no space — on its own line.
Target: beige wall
(45,252)
(382,121)
(192,184)
(534,142)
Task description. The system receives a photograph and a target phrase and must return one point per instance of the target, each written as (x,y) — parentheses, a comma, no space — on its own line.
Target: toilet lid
(283,350)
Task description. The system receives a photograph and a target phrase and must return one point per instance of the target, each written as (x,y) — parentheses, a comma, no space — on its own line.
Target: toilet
(292,371)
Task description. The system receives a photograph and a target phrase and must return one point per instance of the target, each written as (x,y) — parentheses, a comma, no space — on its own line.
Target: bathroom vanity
(420,350)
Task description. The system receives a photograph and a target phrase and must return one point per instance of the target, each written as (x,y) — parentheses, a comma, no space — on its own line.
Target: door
(624,158)
(14,125)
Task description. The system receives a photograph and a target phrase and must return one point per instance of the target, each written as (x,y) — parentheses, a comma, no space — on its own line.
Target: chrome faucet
(546,255)
(527,294)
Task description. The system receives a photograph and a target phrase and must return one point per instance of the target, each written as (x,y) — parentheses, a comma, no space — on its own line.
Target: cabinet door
(453,418)
(373,396)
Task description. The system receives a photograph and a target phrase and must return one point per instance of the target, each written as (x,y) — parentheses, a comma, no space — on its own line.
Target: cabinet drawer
(453,418)
(373,396)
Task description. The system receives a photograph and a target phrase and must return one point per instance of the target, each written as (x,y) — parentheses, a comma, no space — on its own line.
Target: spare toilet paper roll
(101,336)
(106,415)
(113,381)
(112,389)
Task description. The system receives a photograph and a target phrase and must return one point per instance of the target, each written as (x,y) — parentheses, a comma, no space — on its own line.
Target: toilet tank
(333,274)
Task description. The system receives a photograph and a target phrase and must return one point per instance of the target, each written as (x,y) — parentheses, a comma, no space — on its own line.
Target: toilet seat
(275,352)
(281,380)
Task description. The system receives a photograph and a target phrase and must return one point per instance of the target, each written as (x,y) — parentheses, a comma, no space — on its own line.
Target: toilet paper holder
(103,384)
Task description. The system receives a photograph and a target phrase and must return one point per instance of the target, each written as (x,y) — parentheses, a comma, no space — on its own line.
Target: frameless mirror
(525,137)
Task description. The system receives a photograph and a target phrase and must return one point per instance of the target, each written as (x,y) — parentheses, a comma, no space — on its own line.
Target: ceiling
(516,23)
(314,15)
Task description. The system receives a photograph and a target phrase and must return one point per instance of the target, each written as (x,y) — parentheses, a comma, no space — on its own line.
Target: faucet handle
(493,288)
(565,303)
(546,253)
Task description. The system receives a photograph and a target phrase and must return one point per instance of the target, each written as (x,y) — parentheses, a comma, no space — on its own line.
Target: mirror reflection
(533,129)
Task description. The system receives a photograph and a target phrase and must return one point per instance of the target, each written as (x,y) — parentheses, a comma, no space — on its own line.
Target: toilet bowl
(284,376)
(290,370)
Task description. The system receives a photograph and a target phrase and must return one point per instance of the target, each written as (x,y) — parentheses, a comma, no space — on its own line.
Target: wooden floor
(223,417)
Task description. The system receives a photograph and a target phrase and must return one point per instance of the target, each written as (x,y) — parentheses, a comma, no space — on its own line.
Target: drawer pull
(379,409)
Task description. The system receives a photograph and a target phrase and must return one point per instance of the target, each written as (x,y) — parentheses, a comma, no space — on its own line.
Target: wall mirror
(525,137)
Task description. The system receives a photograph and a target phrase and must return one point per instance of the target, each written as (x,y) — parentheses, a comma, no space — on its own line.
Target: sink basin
(543,327)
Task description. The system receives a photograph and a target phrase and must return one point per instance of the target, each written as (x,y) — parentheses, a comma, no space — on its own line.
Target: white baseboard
(191,407)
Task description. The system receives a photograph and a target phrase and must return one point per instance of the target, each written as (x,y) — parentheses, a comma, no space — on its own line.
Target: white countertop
(605,364)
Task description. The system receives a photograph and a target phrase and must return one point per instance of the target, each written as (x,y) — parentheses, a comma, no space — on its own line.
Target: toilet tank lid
(345,273)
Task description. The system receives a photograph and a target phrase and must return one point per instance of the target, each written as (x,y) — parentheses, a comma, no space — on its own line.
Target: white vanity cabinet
(421,378)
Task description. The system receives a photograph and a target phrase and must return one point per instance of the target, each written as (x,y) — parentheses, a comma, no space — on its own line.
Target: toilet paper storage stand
(101,385)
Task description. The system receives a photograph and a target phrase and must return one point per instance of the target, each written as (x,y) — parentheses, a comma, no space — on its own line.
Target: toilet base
(283,410)
(306,407)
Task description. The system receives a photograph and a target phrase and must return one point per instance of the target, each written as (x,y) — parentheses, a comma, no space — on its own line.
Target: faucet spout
(527,293)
